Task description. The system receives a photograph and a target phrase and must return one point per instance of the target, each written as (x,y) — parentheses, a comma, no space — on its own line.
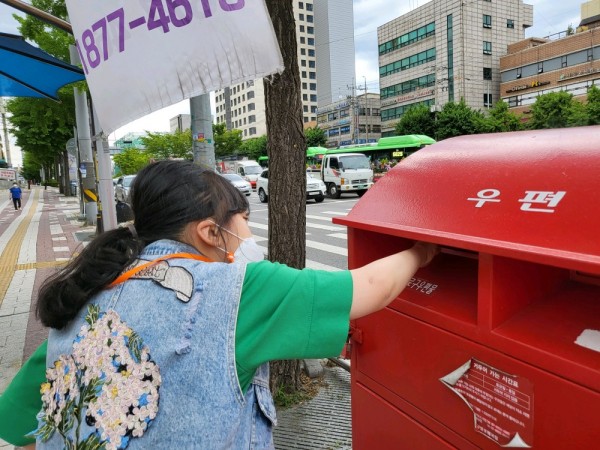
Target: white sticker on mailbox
(502,403)
(589,339)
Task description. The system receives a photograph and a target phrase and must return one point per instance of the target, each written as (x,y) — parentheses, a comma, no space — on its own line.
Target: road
(326,243)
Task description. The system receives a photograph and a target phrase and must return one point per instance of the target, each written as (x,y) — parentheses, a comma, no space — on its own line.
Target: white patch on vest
(177,279)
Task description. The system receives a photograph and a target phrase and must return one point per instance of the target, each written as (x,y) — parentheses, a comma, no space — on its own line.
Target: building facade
(242,106)
(536,66)
(334,39)
(351,121)
(180,122)
(445,51)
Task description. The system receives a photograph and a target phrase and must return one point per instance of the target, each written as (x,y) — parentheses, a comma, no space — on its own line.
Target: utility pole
(5,130)
(202,134)
(367,120)
(87,167)
(354,108)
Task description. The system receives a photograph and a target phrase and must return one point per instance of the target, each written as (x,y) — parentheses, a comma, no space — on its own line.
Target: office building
(351,121)
(445,51)
(242,106)
(569,63)
(180,122)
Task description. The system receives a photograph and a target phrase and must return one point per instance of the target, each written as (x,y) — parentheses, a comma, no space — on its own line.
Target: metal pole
(367,121)
(38,13)
(5,128)
(82,119)
(106,191)
(202,135)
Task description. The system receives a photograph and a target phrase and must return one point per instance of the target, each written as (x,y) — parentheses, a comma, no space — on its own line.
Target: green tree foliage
(417,120)
(227,142)
(457,119)
(254,147)
(49,38)
(31,167)
(593,105)
(41,126)
(315,137)
(500,119)
(555,110)
(167,145)
(131,160)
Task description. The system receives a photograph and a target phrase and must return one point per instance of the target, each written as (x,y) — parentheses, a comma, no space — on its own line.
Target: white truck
(248,169)
(346,172)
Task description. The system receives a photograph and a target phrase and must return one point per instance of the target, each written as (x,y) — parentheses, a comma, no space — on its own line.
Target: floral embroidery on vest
(109,383)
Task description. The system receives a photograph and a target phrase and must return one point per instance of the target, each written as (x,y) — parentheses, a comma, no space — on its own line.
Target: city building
(242,106)
(569,63)
(334,39)
(445,51)
(130,140)
(180,122)
(351,121)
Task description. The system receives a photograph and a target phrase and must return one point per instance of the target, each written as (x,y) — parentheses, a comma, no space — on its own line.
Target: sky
(549,17)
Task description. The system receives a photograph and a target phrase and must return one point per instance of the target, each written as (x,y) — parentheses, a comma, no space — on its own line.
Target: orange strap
(131,272)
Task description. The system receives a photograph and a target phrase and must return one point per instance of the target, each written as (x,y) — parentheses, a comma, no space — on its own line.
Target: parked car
(123,187)
(315,188)
(243,185)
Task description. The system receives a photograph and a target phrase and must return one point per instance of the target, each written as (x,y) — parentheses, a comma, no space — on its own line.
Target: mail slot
(497,342)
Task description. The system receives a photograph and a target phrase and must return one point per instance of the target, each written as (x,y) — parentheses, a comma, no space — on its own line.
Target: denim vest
(155,359)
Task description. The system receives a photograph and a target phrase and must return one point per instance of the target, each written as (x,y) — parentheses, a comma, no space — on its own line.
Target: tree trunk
(286,148)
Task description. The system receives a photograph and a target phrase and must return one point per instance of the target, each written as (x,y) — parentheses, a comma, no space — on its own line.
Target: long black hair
(165,197)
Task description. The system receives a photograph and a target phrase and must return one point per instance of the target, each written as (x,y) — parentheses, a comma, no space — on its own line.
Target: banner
(143,55)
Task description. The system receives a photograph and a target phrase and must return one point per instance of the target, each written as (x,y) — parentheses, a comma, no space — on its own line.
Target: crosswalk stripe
(338,235)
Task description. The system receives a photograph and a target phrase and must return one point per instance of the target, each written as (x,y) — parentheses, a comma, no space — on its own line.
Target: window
(304,86)
(250,95)
(313,86)
(300,5)
(303,63)
(305,119)
(519,72)
(540,67)
(304,74)
(312,75)
(302,40)
(590,54)
(487,73)
(311,52)
(252,118)
(313,97)
(305,108)
(313,109)
(252,131)
(345,130)
(251,107)
(310,30)
(301,28)
(301,16)
(309,18)
(487,100)
(304,97)
(303,51)
(510,23)
(311,64)
(309,7)
(311,41)
(487,21)
(563,61)
(487,48)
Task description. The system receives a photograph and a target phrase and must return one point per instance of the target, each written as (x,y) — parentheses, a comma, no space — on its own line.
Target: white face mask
(248,251)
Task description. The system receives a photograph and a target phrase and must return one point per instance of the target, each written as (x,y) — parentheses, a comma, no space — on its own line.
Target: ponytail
(102,261)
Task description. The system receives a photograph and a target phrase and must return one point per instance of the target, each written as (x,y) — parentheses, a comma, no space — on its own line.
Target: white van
(346,172)
(249,170)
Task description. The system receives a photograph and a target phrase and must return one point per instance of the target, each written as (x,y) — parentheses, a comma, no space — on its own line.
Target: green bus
(388,148)
(313,156)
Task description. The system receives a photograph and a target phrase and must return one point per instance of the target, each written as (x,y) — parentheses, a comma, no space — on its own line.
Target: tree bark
(286,148)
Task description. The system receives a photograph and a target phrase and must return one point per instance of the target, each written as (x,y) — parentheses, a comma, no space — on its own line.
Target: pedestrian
(161,331)
(15,195)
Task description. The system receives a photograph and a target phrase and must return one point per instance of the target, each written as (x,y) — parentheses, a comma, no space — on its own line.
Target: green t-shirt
(284,313)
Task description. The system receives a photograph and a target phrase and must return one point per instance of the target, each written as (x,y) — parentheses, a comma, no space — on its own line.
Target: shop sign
(581,73)
(405,98)
(501,403)
(522,87)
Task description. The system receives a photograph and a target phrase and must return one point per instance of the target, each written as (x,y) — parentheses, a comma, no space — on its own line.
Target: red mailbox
(497,342)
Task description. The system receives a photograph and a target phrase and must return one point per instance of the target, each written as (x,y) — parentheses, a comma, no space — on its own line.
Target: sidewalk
(40,238)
